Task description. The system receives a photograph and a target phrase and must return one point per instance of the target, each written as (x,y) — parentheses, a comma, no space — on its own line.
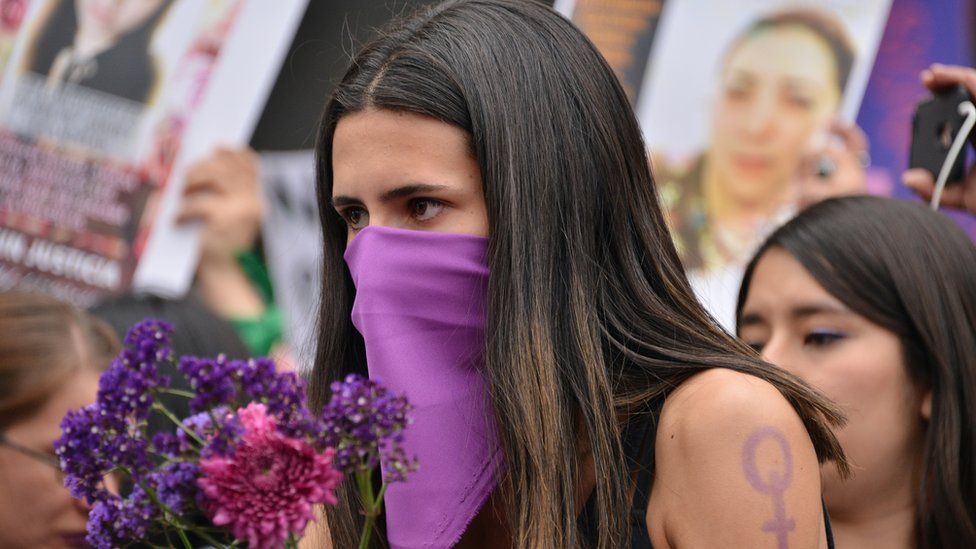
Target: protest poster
(731,96)
(623,31)
(739,92)
(102,107)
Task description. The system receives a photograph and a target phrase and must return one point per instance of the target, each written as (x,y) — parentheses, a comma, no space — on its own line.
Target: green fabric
(253,266)
(261,333)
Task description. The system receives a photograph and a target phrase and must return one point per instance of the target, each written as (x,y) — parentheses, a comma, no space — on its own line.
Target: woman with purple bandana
(494,249)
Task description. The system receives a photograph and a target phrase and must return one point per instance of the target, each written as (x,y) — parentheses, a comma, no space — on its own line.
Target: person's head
(872,301)
(781,80)
(50,357)
(113,19)
(117,32)
(499,118)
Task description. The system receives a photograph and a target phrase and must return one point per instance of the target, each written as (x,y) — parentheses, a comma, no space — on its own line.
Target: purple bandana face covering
(420,306)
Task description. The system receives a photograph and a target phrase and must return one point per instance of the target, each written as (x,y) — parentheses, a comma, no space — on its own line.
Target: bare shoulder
(719,402)
(734,466)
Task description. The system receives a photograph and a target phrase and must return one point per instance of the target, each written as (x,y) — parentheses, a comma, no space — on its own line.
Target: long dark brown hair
(590,316)
(911,271)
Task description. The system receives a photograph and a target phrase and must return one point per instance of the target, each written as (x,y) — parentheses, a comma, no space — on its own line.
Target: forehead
(382,145)
(781,282)
(78,390)
(789,51)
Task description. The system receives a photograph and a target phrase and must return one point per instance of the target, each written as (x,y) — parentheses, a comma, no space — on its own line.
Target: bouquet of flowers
(246,467)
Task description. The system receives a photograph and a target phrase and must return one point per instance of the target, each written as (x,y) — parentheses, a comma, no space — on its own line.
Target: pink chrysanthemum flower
(267,489)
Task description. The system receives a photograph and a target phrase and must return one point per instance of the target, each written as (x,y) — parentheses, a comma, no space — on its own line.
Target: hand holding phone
(937,123)
(940,78)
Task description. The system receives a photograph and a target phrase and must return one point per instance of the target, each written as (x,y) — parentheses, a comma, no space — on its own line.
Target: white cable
(967,108)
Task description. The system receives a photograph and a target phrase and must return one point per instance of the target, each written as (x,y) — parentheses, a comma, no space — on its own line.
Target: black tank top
(638,442)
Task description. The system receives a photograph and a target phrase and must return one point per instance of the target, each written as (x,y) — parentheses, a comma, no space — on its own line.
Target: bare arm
(734,468)
(223,193)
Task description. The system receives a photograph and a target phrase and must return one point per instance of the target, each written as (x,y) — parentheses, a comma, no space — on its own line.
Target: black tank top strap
(639,448)
(638,445)
(827,528)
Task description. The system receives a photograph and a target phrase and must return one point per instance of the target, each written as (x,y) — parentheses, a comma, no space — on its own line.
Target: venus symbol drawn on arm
(773,483)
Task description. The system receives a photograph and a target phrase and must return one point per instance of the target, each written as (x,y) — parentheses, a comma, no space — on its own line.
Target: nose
(760,118)
(776,351)
(80,505)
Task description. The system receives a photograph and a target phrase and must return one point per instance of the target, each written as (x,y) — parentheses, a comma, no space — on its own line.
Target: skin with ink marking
(775,484)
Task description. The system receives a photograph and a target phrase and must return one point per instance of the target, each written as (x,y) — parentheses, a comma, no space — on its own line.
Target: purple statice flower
(79,451)
(364,422)
(176,485)
(115,522)
(101,524)
(257,377)
(125,389)
(212,380)
(168,444)
(287,404)
(219,439)
(282,393)
(127,448)
(93,443)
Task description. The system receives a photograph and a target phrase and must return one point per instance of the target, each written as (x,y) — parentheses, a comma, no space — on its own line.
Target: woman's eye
(756,345)
(800,101)
(737,89)
(737,92)
(822,339)
(356,218)
(425,209)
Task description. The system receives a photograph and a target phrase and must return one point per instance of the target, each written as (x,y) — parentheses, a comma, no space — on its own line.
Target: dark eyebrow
(340,201)
(392,194)
(803,311)
(802,83)
(409,190)
(817,309)
(750,319)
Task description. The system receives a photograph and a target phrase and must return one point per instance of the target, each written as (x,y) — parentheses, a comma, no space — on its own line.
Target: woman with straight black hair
(872,301)
(494,249)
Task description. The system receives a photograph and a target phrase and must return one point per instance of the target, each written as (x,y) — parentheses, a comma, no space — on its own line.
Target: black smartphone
(935,126)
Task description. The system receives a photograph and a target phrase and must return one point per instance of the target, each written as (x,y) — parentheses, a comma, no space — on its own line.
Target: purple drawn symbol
(774,485)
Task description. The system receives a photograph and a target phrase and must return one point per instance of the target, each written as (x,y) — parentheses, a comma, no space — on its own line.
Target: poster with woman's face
(739,92)
(99,101)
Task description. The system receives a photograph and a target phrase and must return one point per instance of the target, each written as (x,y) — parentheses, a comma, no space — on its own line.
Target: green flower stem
(162,409)
(181,526)
(176,392)
(378,504)
(206,537)
(372,505)
(184,539)
(369,493)
(169,542)
(169,515)
(361,481)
